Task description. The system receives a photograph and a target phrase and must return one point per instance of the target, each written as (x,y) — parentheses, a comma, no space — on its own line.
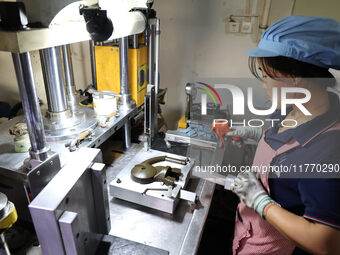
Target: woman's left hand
(251,192)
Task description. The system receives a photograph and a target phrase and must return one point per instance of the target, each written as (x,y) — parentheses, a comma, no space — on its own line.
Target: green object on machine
(145,172)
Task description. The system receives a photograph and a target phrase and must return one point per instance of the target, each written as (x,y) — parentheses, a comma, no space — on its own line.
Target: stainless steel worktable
(179,233)
(12,161)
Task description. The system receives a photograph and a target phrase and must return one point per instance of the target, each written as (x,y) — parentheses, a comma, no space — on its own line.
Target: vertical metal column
(124,65)
(124,86)
(30,102)
(153,76)
(53,77)
(68,74)
(146,36)
(152,53)
(135,43)
(127,134)
(157,34)
(93,64)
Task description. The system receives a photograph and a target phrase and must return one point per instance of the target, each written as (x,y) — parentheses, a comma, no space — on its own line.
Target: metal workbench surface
(13,161)
(179,233)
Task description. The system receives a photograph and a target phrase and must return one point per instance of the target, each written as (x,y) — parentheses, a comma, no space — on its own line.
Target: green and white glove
(250,190)
(254,133)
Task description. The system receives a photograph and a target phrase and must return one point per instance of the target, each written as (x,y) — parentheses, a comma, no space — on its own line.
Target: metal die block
(101,197)
(68,223)
(155,195)
(71,190)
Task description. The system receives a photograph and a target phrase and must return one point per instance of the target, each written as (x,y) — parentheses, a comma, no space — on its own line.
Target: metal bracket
(39,176)
(101,197)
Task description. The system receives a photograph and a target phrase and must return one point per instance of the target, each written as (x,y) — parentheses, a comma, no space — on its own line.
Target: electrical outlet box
(234,27)
(246,27)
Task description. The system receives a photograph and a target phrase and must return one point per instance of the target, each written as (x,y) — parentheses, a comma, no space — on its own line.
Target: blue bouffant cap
(314,40)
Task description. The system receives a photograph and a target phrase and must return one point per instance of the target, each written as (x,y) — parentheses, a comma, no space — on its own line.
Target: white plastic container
(104,103)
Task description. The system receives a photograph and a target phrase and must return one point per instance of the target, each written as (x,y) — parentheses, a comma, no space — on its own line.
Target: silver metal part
(188,196)
(13,177)
(74,220)
(157,42)
(153,67)
(23,184)
(3,240)
(74,144)
(135,43)
(180,233)
(155,195)
(60,122)
(39,176)
(151,44)
(72,97)
(68,222)
(179,137)
(12,162)
(62,126)
(127,134)
(81,191)
(146,37)
(150,114)
(102,134)
(53,79)
(191,90)
(124,65)
(93,63)
(29,98)
(126,103)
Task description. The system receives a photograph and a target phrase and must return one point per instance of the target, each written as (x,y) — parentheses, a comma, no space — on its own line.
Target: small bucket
(104,103)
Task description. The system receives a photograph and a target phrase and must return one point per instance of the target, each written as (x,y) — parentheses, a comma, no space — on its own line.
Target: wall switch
(234,27)
(246,27)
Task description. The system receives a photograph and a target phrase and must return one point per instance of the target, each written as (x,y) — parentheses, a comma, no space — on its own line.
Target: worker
(279,215)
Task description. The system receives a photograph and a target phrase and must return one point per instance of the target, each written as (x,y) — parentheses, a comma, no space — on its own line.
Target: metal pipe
(127,134)
(157,34)
(243,16)
(68,69)
(124,65)
(68,74)
(152,54)
(153,73)
(146,37)
(124,85)
(93,64)
(265,15)
(53,77)
(135,44)
(30,103)
(4,244)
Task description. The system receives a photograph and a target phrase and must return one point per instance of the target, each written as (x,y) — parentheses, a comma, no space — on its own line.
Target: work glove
(250,190)
(254,133)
